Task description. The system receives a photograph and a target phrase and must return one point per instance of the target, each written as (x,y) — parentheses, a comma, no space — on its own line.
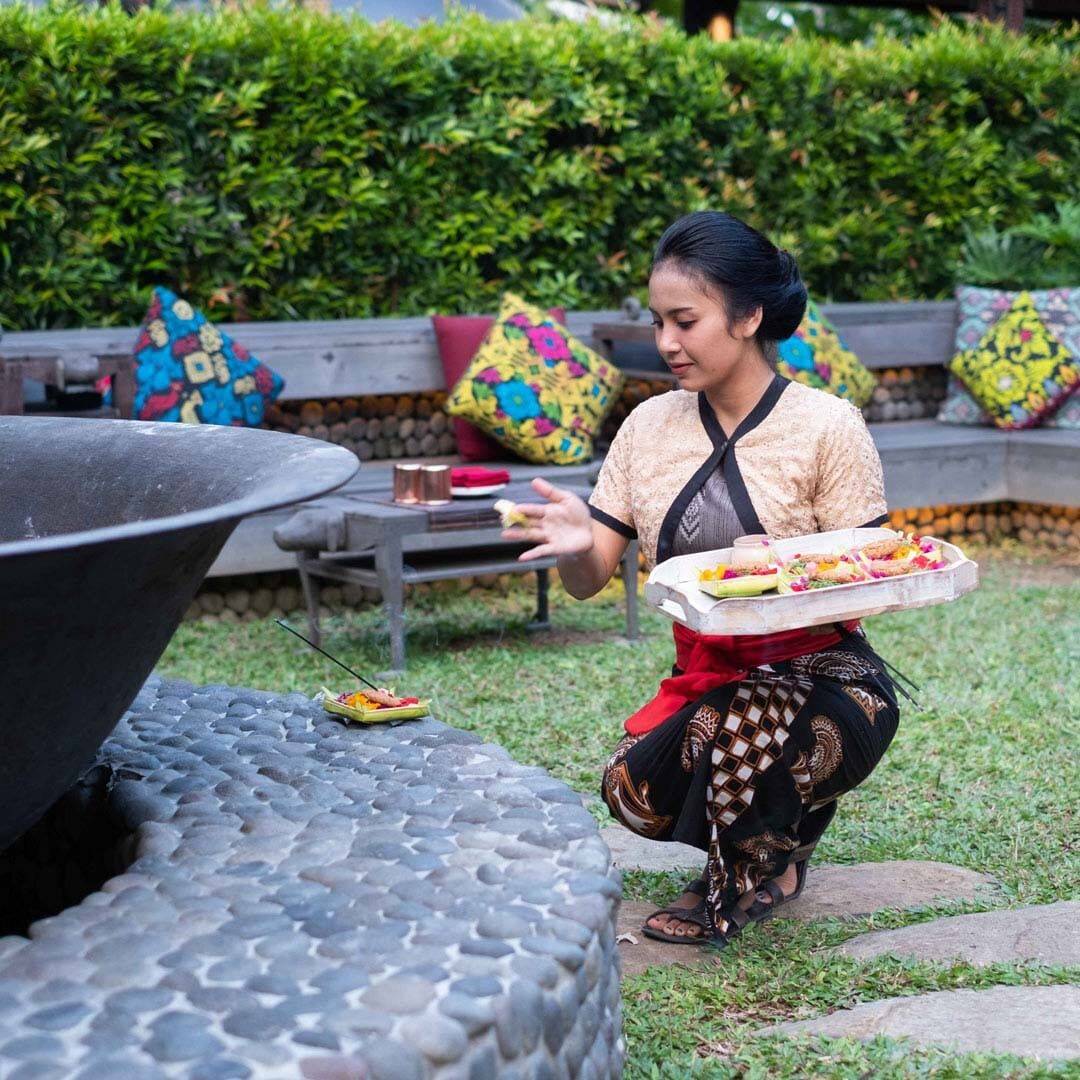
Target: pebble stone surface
(325,901)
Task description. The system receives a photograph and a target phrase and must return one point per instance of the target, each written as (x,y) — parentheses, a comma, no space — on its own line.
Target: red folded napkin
(477,476)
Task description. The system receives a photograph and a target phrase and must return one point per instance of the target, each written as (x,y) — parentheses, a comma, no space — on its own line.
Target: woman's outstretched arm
(588,552)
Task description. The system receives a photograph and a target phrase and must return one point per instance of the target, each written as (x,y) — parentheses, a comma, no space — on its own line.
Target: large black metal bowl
(107,527)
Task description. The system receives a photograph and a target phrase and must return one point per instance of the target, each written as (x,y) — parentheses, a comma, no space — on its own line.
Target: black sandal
(696,916)
(739,918)
(761,910)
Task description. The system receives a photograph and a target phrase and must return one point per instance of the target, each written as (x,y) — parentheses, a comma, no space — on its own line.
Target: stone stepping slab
(831,891)
(1029,1021)
(643,952)
(866,888)
(632,852)
(1047,934)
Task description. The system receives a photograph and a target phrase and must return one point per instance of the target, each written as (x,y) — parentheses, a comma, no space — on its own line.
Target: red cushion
(459,337)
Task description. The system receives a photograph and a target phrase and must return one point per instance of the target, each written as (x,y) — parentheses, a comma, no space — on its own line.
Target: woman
(744,750)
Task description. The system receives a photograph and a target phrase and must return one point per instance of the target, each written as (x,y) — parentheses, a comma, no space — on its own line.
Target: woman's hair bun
(745,266)
(783,311)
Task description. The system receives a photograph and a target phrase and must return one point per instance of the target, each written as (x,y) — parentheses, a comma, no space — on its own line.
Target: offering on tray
(900,555)
(819,571)
(730,580)
(373,706)
(376,699)
(822,578)
(510,514)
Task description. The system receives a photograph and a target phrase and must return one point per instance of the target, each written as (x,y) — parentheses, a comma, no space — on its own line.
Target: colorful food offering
(510,514)
(376,699)
(807,571)
(900,555)
(819,571)
(372,706)
(728,580)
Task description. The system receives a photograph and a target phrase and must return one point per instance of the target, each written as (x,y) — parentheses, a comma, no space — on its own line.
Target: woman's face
(693,334)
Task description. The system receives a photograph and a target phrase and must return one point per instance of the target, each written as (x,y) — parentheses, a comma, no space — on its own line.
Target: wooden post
(1009,12)
(121,366)
(11,388)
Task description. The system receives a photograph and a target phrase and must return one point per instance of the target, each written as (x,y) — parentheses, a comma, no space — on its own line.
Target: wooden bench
(926,463)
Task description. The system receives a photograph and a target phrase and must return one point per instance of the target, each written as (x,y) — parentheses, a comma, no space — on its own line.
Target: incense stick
(286,626)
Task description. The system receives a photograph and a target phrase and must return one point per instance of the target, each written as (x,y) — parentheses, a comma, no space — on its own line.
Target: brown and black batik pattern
(752,770)
(628,798)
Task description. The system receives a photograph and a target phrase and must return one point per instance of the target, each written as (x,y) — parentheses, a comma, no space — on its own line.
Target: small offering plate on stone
(412,709)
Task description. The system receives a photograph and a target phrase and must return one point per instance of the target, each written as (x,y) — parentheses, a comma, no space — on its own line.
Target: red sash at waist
(707,662)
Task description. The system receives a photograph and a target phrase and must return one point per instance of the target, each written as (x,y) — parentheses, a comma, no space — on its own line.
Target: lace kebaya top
(802,461)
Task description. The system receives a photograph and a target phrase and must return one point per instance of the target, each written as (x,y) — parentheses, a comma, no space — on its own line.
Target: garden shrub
(289,164)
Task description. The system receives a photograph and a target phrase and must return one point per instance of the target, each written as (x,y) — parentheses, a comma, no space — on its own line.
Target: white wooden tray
(672,589)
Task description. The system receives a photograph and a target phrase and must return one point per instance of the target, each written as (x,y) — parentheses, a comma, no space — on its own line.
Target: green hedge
(293,165)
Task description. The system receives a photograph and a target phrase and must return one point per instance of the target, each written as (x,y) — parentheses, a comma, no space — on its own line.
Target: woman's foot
(671,925)
(787,882)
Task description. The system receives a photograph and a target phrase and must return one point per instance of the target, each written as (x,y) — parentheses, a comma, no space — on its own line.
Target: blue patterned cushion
(187,369)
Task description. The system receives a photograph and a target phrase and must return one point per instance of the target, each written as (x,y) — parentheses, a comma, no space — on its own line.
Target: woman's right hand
(561,526)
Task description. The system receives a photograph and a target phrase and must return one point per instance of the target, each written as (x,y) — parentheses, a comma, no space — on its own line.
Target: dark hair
(745,266)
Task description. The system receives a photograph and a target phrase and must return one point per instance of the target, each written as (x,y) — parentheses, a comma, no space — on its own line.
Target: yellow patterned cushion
(535,388)
(815,355)
(1019,372)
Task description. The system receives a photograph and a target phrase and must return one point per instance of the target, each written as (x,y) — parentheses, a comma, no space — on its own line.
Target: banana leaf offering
(374,706)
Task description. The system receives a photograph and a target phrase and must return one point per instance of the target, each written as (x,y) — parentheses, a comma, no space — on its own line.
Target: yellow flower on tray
(359,707)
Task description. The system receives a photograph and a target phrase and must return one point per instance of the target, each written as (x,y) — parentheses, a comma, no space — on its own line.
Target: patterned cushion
(459,337)
(186,369)
(1019,371)
(979,309)
(535,388)
(817,356)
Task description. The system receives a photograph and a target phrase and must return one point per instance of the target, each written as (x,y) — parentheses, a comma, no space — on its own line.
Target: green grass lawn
(983,774)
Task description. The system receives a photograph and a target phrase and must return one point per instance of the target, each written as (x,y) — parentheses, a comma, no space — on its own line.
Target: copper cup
(435,484)
(407,483)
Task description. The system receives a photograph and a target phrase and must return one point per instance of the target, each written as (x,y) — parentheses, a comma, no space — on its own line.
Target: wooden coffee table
(367,545)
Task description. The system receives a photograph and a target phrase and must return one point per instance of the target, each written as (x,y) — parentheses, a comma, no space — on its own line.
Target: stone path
(1047,934)
(1030,1021)
(632,852)
(642,952)
(831,891)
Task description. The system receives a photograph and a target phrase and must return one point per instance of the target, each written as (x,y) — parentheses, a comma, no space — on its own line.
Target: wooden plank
(914,334)
(927,463)
(433,567)
(318,359)
(1043,466)
(251,548)
(899,435)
